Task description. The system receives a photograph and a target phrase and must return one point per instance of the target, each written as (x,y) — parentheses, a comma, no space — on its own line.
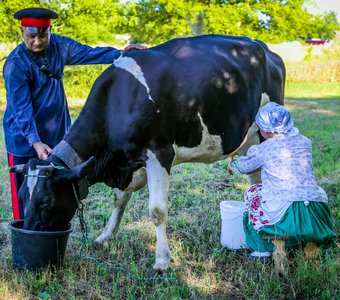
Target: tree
(88,21)
(154,21)
(326,31)
(9,28)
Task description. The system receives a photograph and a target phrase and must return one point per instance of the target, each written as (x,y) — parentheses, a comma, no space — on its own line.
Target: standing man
(37,116)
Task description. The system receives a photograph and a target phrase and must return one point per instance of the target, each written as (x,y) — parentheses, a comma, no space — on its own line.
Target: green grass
(200,269)
(307,90)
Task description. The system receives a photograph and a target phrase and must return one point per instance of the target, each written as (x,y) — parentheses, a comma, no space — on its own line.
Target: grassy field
(200,270)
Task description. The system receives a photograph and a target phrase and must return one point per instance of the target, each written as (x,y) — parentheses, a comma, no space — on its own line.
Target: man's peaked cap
(36,13)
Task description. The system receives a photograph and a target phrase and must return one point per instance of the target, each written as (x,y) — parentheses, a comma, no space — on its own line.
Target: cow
(190,99)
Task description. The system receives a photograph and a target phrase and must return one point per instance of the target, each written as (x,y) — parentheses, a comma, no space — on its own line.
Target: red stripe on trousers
(14,192)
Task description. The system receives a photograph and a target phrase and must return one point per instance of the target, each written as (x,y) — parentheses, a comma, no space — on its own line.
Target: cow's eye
(44,203)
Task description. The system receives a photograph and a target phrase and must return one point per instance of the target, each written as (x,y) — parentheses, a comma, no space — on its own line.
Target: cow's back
(183,93)
(193,60)
(215,79)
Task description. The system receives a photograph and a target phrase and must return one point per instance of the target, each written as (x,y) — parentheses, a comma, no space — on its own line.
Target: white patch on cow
(264,99)
(192,102)
(254,61)
(210,148)
(109,227)
(184,52)
(129,64)
(208,151)
(32,179)
(163,254)
(230,84)
(158,183)
(245,51)
(138,180)
(121,199)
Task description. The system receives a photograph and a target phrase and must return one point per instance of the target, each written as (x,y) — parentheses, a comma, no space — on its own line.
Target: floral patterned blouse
(287,174)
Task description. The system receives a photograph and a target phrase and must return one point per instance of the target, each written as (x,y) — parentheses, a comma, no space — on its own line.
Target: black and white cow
(187,100)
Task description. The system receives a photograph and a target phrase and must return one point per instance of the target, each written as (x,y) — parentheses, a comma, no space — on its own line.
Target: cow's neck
(88,131)
(70,158)
(67,154)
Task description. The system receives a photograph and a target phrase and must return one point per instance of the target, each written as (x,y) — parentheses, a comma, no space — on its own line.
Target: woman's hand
(229,169)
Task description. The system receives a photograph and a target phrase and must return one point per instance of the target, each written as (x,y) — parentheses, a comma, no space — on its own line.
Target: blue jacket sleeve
(19,100)
(79,54)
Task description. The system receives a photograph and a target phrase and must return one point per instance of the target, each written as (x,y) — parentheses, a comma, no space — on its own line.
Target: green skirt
(301,223)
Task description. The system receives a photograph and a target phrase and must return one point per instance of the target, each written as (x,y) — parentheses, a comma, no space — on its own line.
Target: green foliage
(155,21)
(328,25)
(88,21)
(271,21)
(9,28)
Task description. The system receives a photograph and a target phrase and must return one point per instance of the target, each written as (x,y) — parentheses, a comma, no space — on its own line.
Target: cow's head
(50,192)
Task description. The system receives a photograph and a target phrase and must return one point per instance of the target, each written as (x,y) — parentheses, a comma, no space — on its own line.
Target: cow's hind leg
(111,228)
(158,183)
(252,138)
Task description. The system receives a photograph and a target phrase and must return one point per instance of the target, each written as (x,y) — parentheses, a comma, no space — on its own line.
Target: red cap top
(33,22)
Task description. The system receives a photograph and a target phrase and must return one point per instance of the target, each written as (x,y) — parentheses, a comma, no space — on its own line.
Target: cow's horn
(17,168)
(47,169)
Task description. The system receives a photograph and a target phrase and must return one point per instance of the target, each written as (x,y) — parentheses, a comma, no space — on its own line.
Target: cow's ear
(17,168)
(81,170)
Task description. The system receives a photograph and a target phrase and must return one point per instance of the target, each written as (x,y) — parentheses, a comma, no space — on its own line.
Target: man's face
(35,42)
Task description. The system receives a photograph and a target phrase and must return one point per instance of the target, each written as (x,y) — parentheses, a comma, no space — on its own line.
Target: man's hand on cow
(133,46)
(42,150)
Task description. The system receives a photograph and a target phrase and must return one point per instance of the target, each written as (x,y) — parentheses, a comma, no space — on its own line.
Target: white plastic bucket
(232,232)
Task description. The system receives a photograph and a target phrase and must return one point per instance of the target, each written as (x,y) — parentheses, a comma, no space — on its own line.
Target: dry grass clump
(316,64)
(314,71)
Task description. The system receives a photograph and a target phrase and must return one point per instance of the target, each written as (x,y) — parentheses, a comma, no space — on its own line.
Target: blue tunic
(36,104)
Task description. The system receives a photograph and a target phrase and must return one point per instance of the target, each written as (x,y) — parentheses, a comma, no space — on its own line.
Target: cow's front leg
(111,228)
(158,183)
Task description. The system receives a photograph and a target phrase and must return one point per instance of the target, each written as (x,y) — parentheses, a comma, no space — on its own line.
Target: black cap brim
(36,30)
(36,12)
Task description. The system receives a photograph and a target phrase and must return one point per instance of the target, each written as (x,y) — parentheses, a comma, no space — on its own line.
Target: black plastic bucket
(34,250)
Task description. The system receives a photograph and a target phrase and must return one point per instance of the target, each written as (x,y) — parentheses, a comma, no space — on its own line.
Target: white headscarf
(273,117)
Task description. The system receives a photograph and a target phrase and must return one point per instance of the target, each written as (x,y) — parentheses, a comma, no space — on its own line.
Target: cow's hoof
(103,245)
(158,273)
